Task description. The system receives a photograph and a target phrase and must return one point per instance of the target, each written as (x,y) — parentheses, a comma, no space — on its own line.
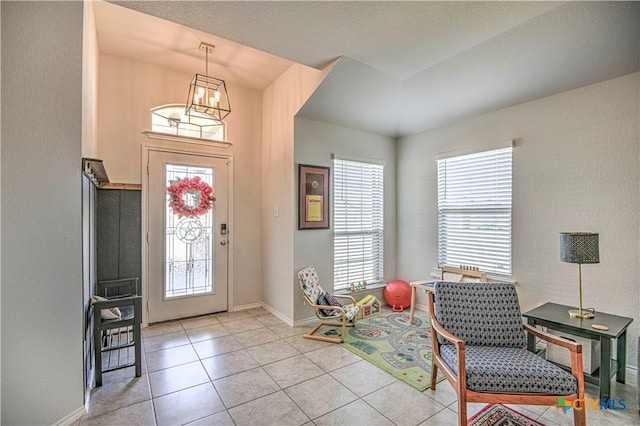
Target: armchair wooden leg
(434,375)
(462,412)
(580,417)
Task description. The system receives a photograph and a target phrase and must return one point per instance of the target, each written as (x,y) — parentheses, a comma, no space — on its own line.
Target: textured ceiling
(406,67)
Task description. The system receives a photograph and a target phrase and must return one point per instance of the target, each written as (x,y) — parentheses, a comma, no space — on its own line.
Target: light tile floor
(249,368)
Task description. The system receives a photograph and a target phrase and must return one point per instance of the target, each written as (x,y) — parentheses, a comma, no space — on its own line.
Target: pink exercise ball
(397,294)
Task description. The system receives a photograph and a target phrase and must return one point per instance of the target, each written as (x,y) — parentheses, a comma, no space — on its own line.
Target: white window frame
(358,221)
(475,210)
(171,119)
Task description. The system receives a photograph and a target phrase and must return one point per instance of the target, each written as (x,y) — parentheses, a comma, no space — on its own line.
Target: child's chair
(329,311)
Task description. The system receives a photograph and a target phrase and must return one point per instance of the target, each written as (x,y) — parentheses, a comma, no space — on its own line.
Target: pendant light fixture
(208,95)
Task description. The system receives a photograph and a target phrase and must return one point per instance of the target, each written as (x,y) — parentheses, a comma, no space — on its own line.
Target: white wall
(576,167)
(314,144)
(281,101)
(41,232)
(89,83)
(127,91)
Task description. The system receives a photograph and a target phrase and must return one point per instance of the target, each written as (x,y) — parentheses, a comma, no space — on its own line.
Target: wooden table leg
(413,304)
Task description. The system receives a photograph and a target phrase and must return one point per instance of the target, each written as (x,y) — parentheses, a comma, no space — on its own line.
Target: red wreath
(191,184)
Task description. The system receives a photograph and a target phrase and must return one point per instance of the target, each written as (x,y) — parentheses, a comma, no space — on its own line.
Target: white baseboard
(422,308)
(247,306)
(278,314)
(632,376)
(72,418)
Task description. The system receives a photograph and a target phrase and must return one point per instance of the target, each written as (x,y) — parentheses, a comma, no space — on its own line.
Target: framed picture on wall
(313,192)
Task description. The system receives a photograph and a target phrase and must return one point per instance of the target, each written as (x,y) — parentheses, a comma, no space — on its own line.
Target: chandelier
(208,95)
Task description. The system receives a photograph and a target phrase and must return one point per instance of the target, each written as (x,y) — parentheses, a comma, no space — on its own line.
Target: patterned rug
(388,341)
(499,415)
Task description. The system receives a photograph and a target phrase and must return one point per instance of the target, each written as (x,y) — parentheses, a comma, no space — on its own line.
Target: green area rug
(388,341)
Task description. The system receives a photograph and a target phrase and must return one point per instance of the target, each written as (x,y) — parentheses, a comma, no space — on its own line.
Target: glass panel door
(187,235)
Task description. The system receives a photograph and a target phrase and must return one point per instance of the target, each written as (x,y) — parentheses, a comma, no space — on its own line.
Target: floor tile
(135,414)
(306,345)
(258,312)
(187,405)
(213,347)
(246,386)
(161,328)
(272,352)
(363,378)
(255,337)
(274,409)
(242,325)
(233,316)
(220,419)
(291,371)
(444,393)
(269,320)
(228,364)
(332,357)
(403,404)
(472,407)
(170,357)
(119,394)
(357,413)
(320,395)
(205,333)
(197,322)
(165,341)
(177,378)
(122,374)
(283,330)
(445,417)
(251,367)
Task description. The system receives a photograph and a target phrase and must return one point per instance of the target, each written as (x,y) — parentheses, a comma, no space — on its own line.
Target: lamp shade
(579,247)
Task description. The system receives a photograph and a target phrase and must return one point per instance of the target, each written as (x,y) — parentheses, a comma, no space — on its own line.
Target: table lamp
(579,247)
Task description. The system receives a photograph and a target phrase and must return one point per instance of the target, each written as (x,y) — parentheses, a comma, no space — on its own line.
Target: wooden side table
(425,285)
(555,317)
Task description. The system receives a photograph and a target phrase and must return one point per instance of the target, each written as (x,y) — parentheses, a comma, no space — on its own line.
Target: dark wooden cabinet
(118,234)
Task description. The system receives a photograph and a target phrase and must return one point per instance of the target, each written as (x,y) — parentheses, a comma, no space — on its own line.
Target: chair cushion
(510,370)
(481,314)
(328,300)
(310,284)
(351,310)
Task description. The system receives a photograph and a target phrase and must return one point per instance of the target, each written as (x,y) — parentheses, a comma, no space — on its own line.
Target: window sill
(436,273)
(369,289)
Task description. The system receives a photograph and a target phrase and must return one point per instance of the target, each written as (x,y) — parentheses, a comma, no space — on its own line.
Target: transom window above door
(171,119)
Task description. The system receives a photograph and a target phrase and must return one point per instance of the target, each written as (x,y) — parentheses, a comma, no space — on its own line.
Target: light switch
(276,211)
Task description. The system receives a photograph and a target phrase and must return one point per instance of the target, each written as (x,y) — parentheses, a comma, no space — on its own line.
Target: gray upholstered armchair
(479,345)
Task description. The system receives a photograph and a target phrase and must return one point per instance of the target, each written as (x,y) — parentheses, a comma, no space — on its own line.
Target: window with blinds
(358,205)
(474,211)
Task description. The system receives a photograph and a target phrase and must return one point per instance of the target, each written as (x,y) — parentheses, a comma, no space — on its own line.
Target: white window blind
(358,222)
(474,211)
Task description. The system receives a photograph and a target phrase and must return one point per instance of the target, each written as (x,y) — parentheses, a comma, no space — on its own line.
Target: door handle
(223,242)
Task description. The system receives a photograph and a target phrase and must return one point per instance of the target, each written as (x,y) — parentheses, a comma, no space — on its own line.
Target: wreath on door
(192,187)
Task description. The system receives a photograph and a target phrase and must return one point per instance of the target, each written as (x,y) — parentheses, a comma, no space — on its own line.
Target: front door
(187,235)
